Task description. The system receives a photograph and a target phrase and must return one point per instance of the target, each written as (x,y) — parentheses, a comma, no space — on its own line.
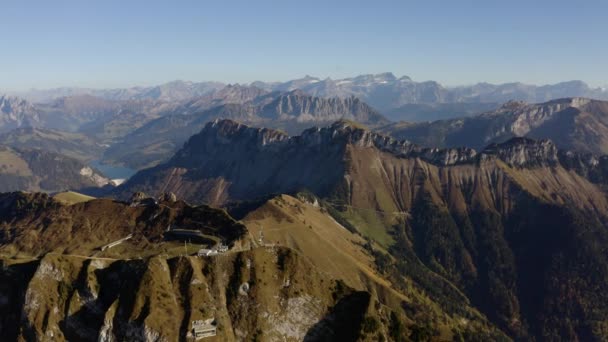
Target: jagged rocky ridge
(389,93)
(231,157)
(384,91)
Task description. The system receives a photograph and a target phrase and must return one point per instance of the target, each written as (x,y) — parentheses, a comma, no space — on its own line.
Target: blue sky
(124,43)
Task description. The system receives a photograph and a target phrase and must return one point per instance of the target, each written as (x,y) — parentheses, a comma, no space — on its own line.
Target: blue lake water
(113,172)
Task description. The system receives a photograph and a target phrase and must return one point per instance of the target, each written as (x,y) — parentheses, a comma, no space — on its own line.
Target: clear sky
(129,42)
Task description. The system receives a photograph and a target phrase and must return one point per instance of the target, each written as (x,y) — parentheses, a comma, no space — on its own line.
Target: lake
(113,172)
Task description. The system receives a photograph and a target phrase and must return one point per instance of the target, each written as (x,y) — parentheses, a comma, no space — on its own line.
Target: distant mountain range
(172,91)
(385,92)
(100,118)
(395,97)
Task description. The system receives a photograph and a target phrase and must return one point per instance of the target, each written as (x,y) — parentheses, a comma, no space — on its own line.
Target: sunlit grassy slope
(71,197)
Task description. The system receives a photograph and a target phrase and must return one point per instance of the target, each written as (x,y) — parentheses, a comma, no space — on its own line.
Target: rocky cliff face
(398,98)
(298,106)
(383,91)
(591,166)
(524,152)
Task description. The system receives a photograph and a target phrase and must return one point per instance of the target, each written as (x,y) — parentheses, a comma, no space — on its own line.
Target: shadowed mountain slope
(39,170)
(75,145)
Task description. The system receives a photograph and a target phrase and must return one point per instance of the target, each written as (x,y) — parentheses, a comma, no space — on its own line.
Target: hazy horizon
(128,86)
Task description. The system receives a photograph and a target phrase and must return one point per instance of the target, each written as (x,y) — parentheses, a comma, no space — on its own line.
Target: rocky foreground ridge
(58,282)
